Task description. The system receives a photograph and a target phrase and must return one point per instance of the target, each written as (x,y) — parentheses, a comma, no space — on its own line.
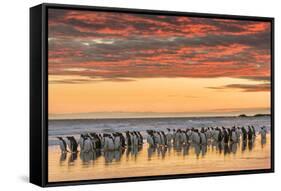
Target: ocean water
(77,126)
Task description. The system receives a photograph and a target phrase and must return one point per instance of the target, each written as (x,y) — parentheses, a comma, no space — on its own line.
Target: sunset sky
(105,64)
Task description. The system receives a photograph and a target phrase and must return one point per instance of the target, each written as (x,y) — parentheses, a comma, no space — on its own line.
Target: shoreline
(164,117)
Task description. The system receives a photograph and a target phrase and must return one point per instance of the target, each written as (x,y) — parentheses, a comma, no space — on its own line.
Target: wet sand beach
(159,161)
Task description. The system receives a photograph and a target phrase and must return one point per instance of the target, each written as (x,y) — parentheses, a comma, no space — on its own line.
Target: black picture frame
(39,94)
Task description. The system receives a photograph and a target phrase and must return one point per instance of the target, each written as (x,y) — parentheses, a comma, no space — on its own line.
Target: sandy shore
(148,162)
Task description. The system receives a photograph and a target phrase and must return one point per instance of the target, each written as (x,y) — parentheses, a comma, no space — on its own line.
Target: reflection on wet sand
(160,151)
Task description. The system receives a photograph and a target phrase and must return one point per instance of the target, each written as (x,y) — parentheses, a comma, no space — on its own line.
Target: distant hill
(256,115)
(243,115)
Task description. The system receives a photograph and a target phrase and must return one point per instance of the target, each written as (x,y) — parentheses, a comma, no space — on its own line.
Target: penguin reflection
(250,145)
(116,155)
(203,150)
(150,151)
(72,158)
(244,145)
(86,157)
(185,149)
(226,149)
(233,147)
(162,151)
(197,149)
(63,156)
(263,136)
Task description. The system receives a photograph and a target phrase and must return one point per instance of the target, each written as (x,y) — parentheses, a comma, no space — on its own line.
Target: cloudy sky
(105,62)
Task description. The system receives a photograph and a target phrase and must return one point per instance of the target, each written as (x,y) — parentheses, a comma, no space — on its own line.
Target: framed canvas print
(127,95)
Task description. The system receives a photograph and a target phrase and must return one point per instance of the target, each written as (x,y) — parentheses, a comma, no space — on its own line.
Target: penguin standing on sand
(164,138)
(225,135)
(244,134)
(88,145)
(254,130)
(203,137)
(122,138)
(72,144)
(263,132)
(81,141)
(169,137)
(250,134)
(63,146)
(128,139)
(150,138)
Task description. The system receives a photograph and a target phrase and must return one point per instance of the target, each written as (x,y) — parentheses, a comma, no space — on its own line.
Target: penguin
(250,134)
(203,137)
(117,141)
(173,135)
(186,136)
(98,141)
(140,138)
(108,142)
(254,131)
(81,141)
(195,137)
(88,145)
(62,144)
(92,138)
(134,139)
(157,137)
(234,136)
(164,138)
(244,134)
(122,138)
(263,132)
(72,144)
(225,135)
(219,134)
(128,138)
(169,136)
(150,139)
(238,132)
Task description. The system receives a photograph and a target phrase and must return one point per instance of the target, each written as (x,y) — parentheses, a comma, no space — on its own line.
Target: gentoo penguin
(128,138)
(140,138)
(88,145)
(92,138)
(225,135)
(72,144)
(244,134)
(108,142)
(81,141)
(253,131)
(195,137)
(164,138)
(238,132)
(233,135)
(62,144)
(250,134)
(203,137)
(263,132)
(157,137)
(134,139)
(150,138)
(169,136)
(117,141)
(122,138)
(219,134)
(173,134)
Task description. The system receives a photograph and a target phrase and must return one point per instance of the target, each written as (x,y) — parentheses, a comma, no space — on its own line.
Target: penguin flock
(113,145)
(89,142)
(201,136)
